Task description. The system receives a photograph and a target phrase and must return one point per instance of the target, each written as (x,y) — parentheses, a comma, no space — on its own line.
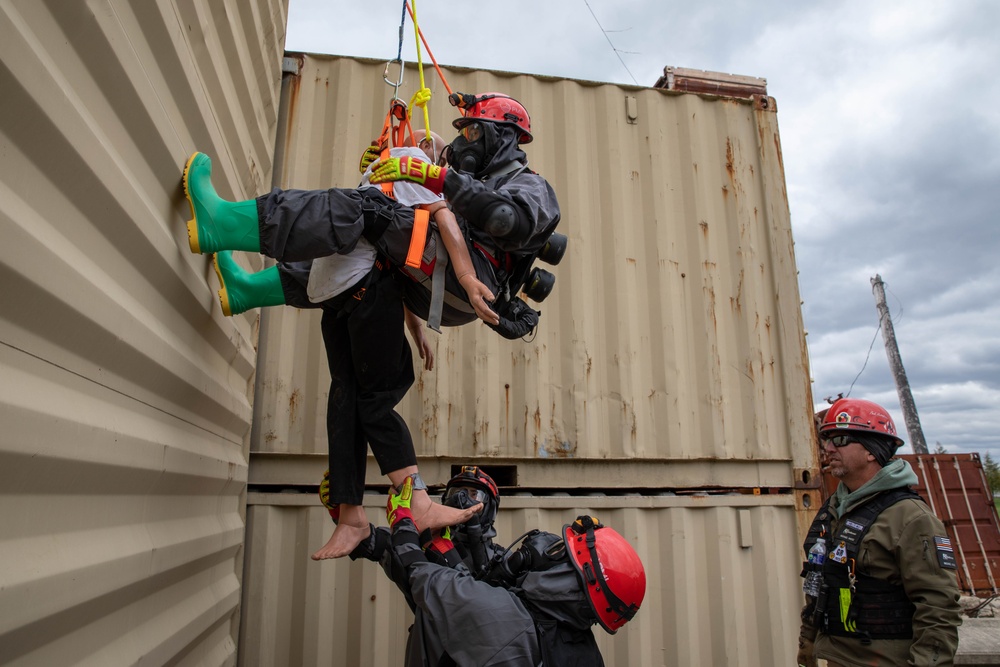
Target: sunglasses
(840,440)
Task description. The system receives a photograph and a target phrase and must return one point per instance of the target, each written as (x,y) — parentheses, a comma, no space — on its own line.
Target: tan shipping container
(669,375)
(124,402)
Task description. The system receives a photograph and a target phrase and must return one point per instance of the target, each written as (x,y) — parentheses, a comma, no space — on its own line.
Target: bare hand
(424,349)
(480,297)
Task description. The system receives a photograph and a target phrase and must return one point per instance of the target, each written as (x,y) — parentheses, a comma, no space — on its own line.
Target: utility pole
(896,365)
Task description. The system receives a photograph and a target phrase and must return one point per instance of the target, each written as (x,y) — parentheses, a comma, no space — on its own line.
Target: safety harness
(852,603)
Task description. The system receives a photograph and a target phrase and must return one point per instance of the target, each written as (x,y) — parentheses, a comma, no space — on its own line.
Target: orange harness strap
(418,238)
(393,134)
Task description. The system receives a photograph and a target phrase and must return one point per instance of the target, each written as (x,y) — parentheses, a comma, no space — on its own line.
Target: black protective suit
(541,618)
(370,360)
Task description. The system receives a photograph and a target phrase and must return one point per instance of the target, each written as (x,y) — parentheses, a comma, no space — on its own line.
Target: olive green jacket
(898,548)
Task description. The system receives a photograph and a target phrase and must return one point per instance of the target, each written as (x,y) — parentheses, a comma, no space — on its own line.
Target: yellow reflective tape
(845,607)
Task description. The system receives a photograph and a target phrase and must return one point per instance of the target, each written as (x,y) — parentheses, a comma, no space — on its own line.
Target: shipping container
(666,388)
(124,399)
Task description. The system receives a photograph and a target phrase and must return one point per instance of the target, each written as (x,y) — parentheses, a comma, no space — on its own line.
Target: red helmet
(609,568)
(859,416)
(494,107)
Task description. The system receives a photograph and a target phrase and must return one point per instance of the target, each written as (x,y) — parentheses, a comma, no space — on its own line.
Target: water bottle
(814,578)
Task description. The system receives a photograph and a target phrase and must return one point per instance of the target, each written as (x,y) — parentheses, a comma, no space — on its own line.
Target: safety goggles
(472,132)
(474,494)
(840,440)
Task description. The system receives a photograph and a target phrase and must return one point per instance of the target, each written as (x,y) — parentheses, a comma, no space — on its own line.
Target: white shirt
(332,275)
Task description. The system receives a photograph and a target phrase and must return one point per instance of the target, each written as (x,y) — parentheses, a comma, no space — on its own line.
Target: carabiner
(395,84)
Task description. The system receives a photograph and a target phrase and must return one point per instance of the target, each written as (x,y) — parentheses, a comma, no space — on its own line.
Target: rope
(433,60)
(422,96)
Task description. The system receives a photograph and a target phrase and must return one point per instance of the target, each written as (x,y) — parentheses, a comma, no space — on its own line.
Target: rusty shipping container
(666,389)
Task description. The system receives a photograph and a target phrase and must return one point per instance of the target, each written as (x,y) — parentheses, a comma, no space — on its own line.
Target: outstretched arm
(479,294)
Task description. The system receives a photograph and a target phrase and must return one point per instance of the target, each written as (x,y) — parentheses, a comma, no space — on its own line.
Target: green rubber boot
(217,224)
(242,290)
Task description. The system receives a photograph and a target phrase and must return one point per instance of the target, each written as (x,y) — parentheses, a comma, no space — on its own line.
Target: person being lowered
(370,361)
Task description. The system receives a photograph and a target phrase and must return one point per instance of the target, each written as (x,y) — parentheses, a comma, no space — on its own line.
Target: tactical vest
(853,604)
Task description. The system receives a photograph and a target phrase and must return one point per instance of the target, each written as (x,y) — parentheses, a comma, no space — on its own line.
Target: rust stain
(730,160)
(630,260)
(506,402)
(293,404)
(704,227)
(736,302)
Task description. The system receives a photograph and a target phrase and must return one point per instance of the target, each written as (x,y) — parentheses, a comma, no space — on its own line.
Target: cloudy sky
(889,114)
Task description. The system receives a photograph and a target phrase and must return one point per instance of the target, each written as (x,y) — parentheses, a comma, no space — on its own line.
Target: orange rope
(424,40)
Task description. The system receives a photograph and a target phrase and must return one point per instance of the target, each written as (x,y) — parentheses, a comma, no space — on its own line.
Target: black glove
(373,546)
(517,319)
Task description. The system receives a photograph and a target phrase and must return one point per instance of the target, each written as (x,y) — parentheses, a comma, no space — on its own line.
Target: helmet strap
(615,603)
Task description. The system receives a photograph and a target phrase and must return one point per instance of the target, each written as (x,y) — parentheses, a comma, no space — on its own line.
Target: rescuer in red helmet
(535,605)
(879,574)
(508,211)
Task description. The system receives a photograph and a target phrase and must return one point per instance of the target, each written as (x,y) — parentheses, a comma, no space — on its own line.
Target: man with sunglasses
(888,593)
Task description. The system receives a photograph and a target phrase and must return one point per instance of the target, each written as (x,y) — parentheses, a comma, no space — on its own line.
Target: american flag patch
(945,554)
(942,543)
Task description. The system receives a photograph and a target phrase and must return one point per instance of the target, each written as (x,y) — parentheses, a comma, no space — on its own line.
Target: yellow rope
(422,96)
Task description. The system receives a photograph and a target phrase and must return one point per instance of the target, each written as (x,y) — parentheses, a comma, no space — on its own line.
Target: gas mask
(539,552)
(473,149)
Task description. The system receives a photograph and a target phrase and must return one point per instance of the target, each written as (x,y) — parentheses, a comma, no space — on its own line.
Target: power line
(868,356)
(617,52)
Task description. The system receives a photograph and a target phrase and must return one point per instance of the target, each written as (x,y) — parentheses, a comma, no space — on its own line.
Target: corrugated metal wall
(123,390)
(674,330)
(716,597)
(671,355)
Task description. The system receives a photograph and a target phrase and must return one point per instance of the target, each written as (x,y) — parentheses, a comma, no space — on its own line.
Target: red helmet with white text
(494,107)
(855,415)
(609,568)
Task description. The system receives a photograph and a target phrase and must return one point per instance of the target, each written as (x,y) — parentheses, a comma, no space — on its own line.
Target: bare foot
(344,540)
(429,515)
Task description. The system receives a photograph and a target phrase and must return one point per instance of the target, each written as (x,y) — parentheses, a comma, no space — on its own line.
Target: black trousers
(371,369)
(371,365)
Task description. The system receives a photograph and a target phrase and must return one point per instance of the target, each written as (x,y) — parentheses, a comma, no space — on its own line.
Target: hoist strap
(436,310)
(418,237)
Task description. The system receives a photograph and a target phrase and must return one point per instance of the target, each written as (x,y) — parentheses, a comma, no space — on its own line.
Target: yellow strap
(418,238)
